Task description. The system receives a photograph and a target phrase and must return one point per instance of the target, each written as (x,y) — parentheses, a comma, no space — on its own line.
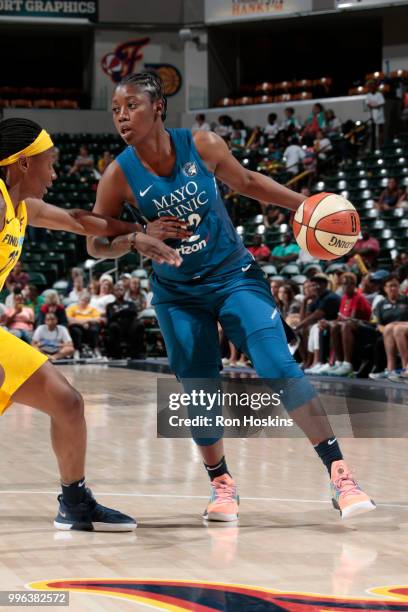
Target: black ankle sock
(74,493)
(329,451)
(217,470)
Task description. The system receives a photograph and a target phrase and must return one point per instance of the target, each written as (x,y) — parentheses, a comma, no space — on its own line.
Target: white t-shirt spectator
(200,127)
(271,130)
(325,146)
(100,302)
(294,154)
(377,113)
(50,341)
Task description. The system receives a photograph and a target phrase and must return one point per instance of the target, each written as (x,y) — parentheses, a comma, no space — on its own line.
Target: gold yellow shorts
(19,361)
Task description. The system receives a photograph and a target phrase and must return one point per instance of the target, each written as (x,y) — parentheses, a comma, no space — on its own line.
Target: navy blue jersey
(191,194)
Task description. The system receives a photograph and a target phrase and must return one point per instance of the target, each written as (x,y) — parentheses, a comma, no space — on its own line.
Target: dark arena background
(314,95)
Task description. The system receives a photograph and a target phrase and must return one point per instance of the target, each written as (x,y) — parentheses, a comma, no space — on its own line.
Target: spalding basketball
(326,225)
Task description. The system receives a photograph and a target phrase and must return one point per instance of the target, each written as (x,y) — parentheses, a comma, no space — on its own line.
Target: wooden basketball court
(289,539)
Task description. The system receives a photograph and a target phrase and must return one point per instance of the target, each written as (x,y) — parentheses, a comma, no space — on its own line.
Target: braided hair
(149,83)
(16,134)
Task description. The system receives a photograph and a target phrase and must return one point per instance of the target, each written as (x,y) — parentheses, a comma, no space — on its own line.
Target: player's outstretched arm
(219,159)
(76,220)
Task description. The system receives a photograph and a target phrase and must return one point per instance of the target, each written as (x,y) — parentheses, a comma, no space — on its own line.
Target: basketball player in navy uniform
(170,176)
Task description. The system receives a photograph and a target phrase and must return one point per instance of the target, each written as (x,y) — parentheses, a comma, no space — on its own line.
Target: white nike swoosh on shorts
(143,193)
(245,268)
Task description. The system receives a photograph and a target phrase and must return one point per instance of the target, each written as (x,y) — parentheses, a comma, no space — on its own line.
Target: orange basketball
(326,225)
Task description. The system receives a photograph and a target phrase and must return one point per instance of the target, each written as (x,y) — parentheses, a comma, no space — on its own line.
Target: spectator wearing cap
(259,250)
(324,307)
(368,248)
(353,309)
(53,339)
(392,319)
(286,252)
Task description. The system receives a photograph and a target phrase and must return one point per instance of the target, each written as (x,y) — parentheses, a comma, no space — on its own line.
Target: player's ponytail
(149,83)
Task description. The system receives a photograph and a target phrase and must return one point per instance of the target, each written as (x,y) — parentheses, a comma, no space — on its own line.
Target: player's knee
(73,405)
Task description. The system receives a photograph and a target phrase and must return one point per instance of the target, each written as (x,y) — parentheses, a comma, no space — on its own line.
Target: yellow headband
(42,143)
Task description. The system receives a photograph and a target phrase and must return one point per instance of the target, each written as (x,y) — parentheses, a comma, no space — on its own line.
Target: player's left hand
(157,250)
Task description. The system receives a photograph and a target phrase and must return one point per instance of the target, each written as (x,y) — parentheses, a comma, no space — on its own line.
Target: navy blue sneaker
(91,516)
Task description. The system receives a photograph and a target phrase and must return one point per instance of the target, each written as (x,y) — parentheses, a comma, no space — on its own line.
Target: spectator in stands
(224,127)
(74,273)
(53,339)
(289,306)
(368,248)
(290,124)
(84,324)
(403,201)
(275,285)
(354,308)
(33,299)
(53,304)
(324,307)
(392,319)
(273,215)
(375,104)
(83,161)
(105,295)
(125,278)
(123,327)
(200,124)
(315,121)
(19,320)
(259,250)
(77,289)
(371,287)
(390,197)
(239,134)
(322,146)
(271,129)
(136,294)
(104,161)
(286,252)
(17,277)
(333,123)
(294,155)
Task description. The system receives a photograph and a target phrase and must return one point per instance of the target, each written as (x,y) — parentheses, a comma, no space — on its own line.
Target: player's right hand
(168,227)
(156,250)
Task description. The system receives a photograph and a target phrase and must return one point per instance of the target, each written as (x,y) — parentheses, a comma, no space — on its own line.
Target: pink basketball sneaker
(346,494)
(224,500)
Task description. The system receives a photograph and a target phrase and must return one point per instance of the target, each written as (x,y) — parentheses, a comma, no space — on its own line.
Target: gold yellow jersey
(12,234)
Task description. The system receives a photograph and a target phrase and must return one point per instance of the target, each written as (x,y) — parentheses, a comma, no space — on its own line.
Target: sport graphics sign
(218,11)
(68,9)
